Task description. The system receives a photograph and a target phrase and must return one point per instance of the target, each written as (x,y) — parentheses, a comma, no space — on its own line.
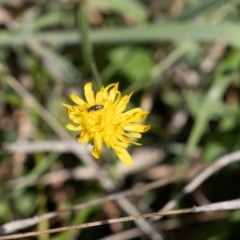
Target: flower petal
(120,107)
(97,149)
(132,135)
(89,94)
(86,136)
(74,128)
(113,93)
(107,140)
(136,127)
(119,141)
(134,115)
(124,156)
(66,105)
(77,100)
(131,112)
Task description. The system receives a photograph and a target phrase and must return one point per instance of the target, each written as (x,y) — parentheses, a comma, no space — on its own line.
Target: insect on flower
(95,108)
(112,125)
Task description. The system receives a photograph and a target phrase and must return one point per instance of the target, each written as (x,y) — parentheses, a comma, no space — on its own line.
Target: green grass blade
(178,31)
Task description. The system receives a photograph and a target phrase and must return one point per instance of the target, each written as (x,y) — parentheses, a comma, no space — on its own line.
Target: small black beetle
(95,108)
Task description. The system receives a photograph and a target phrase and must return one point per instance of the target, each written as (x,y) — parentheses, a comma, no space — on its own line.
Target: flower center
(105,121)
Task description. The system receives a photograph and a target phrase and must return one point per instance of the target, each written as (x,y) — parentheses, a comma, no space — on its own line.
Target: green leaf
(170,31)
(209,105)
(135,63)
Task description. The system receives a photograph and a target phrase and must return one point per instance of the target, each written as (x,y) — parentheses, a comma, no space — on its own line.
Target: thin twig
(44,146)
(62,175)
(227,205)
(201,177)
(98,223)
(138,191)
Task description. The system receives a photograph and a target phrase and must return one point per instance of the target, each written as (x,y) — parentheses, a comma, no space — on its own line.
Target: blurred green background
(181,58)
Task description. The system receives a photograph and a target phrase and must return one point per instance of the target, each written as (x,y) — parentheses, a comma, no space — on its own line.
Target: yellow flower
(101,118)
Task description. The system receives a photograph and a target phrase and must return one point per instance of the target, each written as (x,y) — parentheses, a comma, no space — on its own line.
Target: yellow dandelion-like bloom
(101,118)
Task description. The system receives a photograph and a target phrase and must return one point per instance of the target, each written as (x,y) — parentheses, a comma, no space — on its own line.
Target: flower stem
(87,49)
